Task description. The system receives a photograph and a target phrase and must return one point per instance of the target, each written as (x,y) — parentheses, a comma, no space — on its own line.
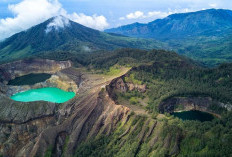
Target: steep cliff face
(135,134)
(176,104)
(119,85)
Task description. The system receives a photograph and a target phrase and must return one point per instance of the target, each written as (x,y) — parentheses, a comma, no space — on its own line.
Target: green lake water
(54,95)
(194,115)
(29,79)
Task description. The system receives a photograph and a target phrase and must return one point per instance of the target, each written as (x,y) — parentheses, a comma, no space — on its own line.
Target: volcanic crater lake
(54,95)
(29,79)
(194,115)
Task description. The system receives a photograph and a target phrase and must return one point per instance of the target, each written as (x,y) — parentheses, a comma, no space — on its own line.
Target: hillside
(163,82)
(157,89)
(202,35)
(62,34)
(123,106)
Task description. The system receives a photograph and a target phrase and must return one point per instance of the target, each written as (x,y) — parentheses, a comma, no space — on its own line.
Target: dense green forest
(208,139)
(207,39)
(166,75)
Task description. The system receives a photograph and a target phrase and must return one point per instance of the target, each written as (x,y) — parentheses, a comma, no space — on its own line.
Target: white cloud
(135,15)
(153,14)
(142,15)
(213,5)
(122,18)
(28,13)
(86,49)
(157,14)
(97,22)
(57,23)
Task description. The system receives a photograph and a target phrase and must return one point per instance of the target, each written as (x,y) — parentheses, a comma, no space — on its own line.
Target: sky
(19,15)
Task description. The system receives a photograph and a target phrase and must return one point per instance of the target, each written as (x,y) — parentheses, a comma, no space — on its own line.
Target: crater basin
(194,115)
(49,94)
(29,79)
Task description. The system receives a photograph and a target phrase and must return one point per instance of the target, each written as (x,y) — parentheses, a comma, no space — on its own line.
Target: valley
(204,36)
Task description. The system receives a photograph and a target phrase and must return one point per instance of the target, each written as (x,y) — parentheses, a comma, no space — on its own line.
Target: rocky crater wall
(176,104)
(58,80)
(21,112)
(23,67)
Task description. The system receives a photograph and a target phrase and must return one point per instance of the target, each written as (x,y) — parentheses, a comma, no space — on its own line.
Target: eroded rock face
(87,117)
(119,85)
(3,88)
(60,144)
(14,136)
(140,88)
(30,129)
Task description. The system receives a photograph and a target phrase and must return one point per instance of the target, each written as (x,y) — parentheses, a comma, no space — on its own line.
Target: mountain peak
(180,25)
(57,22)
(212,12)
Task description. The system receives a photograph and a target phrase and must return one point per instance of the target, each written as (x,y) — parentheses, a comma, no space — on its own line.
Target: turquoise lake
(54,95)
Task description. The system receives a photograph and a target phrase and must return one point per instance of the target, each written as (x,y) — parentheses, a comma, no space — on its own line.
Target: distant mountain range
(62,34)
(203,35)
(206,22)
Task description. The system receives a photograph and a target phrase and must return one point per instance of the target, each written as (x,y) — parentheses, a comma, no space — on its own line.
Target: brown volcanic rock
(140,88)
(92,114)
(29,129)
(21,112)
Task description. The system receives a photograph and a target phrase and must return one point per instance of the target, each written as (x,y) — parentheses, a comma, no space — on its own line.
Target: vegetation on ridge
(207,39)
(166,74)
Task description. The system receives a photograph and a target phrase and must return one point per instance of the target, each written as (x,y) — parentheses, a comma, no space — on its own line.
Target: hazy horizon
(99,15)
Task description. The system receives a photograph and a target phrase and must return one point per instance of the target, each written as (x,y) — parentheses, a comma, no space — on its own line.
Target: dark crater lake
(194,115)
(29,79)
